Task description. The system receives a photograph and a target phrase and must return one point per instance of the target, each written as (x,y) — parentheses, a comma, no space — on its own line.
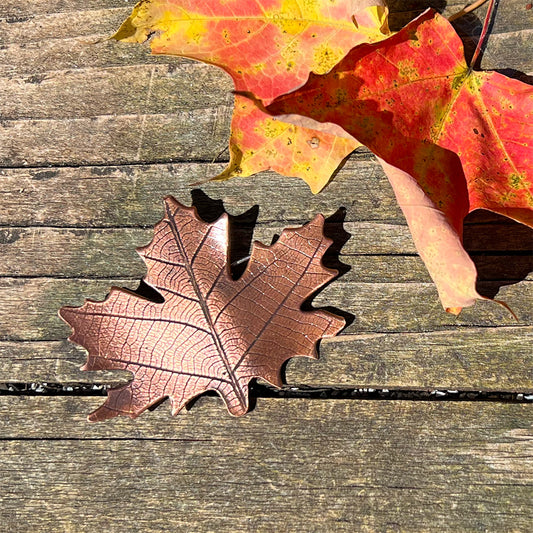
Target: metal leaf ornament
(211,332)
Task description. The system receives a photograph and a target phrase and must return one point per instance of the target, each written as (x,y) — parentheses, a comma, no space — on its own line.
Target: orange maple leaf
(261,142)
(268,47)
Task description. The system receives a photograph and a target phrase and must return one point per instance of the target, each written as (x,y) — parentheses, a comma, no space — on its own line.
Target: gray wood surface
(291,465)
(105,252)
(93,134)
(32,305)
(477,359)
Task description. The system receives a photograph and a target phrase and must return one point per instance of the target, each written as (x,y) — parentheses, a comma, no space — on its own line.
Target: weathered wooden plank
(76,23)
(498,359)
(33,61)
(73,252)
(132,195)
(13,9)
(32,304)
(327,466)
(50,362)
(128,90)
(38,58)
(508,52)
(188,135)
(105,253)
(39,19)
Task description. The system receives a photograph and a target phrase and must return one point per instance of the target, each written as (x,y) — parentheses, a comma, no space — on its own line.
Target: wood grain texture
(128,90)
(130,195)
(32,305)
(479,359)
(122,139)
(327,466)
(376,252)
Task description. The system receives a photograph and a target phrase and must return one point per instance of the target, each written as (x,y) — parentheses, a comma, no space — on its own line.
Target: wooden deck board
(380,252)
(93,134)
(477,359)
(32,305)
(323,466)
(131,195)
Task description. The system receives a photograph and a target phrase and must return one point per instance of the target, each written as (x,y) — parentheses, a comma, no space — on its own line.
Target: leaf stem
(466,9)
(482,38)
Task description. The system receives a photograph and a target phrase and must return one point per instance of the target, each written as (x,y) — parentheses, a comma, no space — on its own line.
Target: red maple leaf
(211,332)
(452,139)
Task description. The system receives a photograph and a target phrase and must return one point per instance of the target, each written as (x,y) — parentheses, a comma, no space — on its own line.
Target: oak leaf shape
(452,140)
(268,47)
(211,332)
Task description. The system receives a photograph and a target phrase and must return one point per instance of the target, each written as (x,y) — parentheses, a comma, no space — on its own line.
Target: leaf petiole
(491,11)
(467,9)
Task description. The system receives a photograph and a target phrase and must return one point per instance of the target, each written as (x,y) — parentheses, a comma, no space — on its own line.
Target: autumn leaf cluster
(314,79)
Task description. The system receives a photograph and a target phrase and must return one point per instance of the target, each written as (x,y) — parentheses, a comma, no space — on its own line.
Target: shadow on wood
(486,238)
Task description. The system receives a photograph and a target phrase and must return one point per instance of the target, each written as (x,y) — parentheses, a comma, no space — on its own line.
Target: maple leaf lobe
(260,142)
(267,47)
(211,332)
